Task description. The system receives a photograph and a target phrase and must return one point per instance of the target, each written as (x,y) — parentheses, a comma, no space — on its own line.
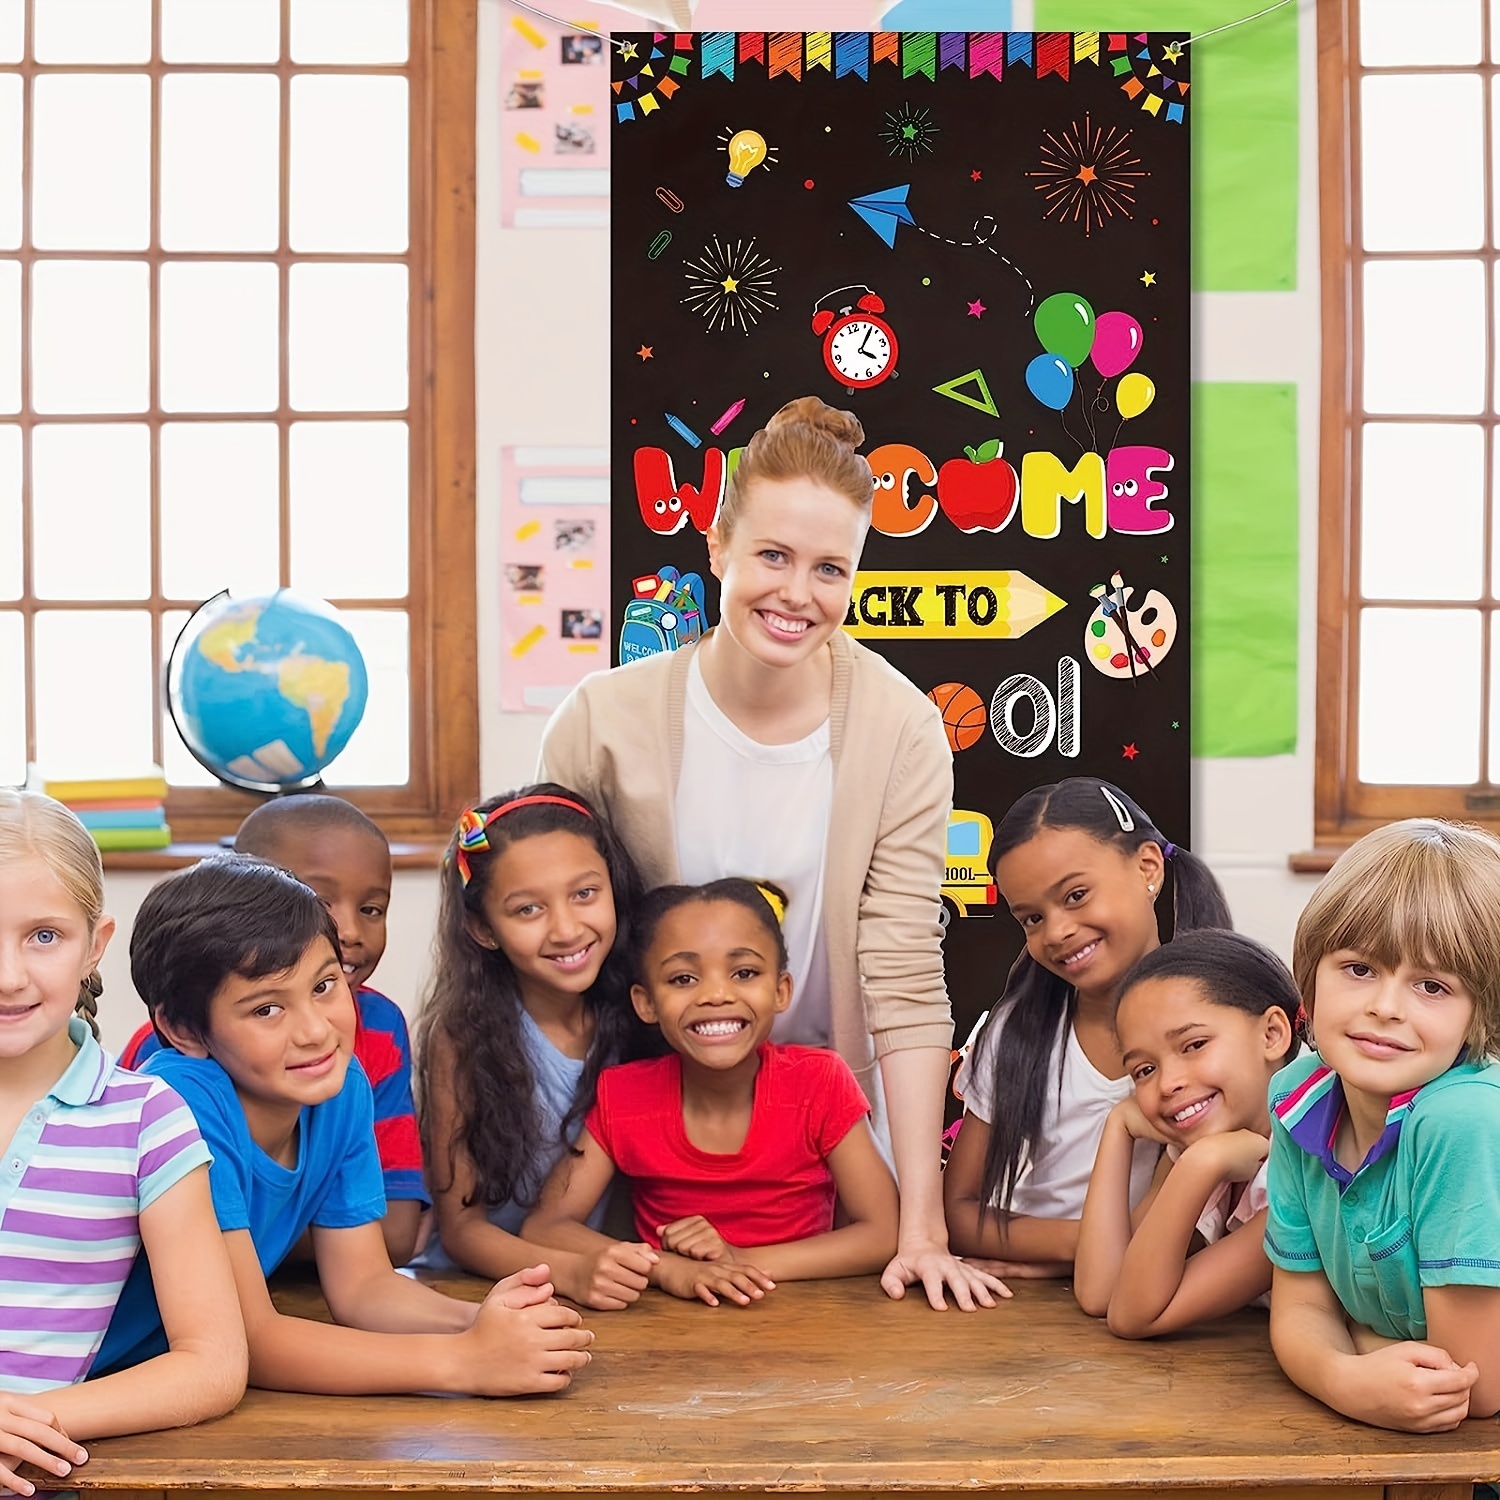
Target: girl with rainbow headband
(1081,867)
(528,1002)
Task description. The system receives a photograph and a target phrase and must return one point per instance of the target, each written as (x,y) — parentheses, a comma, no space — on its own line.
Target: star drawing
(730,285)
(909,132)
(1088,175)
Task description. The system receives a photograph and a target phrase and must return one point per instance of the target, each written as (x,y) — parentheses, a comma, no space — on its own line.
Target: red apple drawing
(978,493)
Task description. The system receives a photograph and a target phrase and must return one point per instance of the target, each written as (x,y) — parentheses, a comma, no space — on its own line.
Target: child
(1080,865)
(100,1163)
(735,1146)
(1202,1023)
(239,964)
(330,845)
(1385,1146)
(529,1001)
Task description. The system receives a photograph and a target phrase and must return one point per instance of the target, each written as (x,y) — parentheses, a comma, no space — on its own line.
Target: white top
(761,811)
(1054,1178)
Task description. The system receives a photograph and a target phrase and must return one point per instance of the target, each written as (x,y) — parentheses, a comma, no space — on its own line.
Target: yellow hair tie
(777,905)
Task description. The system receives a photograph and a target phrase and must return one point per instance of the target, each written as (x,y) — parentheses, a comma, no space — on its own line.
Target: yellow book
(152,784)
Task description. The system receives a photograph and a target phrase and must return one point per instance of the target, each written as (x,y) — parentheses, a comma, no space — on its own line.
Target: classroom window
(236,352)
(1409,550)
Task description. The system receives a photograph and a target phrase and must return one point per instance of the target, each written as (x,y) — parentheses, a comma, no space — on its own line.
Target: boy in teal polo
(1384,1225)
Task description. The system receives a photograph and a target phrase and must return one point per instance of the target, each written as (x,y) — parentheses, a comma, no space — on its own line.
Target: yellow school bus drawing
(967,886)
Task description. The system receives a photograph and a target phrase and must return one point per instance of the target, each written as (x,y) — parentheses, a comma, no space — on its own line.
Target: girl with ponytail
(1081,866)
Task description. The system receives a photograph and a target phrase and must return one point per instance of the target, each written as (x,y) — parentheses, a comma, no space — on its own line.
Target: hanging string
(1230,25)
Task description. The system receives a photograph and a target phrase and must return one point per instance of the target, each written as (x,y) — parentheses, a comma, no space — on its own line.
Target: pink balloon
(1117,341)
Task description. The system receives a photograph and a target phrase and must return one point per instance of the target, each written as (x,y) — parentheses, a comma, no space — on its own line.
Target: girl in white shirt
(1203,1024)
(1080,865)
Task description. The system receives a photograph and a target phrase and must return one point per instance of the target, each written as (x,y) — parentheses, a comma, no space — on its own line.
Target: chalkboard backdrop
(978,243)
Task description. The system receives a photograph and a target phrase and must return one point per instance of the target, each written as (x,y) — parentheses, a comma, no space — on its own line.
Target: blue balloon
(1049,377)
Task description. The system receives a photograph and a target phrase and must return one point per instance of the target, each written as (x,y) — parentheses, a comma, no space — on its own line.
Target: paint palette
(1131,631)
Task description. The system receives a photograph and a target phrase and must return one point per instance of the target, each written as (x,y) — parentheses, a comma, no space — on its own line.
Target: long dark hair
(1229,969)
(1044,1003)
(474,1002)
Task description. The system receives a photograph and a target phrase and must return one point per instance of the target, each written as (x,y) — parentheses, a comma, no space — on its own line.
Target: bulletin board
(978,243)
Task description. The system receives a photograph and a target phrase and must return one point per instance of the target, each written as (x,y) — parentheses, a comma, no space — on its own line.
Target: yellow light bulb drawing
(747,150)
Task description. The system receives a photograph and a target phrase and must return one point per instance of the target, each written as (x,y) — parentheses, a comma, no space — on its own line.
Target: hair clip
(775,902)
(472,836)
(1121,812)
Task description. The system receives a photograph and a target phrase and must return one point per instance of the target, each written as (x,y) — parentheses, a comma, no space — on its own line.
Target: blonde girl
(778,744)
(1203,1023)
(115,1153)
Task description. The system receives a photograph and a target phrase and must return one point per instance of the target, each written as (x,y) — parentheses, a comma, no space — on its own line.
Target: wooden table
(830,1386)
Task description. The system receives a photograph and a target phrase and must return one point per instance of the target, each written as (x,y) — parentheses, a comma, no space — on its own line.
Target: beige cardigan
(617,739)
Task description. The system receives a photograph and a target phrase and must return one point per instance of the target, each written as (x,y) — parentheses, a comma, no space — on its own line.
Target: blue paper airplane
(884,210)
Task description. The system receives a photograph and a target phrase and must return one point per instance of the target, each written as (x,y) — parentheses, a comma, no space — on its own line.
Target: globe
(266,691)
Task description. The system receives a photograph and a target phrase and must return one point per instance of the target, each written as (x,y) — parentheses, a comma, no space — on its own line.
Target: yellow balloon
(1135,394)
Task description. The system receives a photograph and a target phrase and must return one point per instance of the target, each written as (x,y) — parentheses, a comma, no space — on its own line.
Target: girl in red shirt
(736,1147)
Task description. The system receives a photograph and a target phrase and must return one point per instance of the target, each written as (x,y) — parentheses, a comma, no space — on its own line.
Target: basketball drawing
(965,717)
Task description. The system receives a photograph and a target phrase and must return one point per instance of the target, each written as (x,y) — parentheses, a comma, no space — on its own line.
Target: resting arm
(203,1373)
(1465,1320)
(860,1247)
(1163,1286)
(1410,1387)
(996,1234)
(1104,1231)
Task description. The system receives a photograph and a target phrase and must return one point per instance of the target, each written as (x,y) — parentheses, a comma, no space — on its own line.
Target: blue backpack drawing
(667,612)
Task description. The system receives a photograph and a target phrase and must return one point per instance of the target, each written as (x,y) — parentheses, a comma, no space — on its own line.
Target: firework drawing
(730,286)
(1088,175)
(909,132)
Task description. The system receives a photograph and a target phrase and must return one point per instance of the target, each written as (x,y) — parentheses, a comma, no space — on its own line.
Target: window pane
(91,162)
(91,511)
(89,336)
(219,337)
(12,691)
(1422,513)
(218,477)
(348,481)
(10,526)
(220,161)
(1422,162)
(93,692)
(349,31)
(1419,696)
(348,338)
(10,161)
(112,31)
(226,31)
(12,30)
(379,752)
(349,163)
(1424,336)
(1494,767)
(177,761)
(1396,33)
(10,335)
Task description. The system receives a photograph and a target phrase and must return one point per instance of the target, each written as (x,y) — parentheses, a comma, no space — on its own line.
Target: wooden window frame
(441,598)
(1344,808)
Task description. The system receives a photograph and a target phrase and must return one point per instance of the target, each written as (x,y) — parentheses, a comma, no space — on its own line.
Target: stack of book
(121,812)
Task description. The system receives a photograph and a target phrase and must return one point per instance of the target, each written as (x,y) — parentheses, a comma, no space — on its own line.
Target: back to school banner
(978,243)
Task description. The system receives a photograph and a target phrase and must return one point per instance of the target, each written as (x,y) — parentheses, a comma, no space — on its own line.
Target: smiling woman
(779,748)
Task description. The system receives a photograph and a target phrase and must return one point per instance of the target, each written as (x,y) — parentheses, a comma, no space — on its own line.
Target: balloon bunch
(1069,332)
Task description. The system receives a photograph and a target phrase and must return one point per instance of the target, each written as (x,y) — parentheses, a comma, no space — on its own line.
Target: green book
(132,838)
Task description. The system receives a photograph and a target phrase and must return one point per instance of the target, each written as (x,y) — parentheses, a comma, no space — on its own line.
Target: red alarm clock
(859,346)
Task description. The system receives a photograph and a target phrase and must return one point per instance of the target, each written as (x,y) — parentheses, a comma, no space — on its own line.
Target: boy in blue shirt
(239,964)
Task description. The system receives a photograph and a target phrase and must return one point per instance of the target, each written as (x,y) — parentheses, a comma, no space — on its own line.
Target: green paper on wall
(1244,569)
(1242,113)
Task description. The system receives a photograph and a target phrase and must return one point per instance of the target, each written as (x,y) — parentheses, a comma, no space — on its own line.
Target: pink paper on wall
(554,573)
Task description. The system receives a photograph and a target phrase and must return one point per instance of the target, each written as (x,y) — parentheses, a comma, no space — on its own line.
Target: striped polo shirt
(85,1160)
